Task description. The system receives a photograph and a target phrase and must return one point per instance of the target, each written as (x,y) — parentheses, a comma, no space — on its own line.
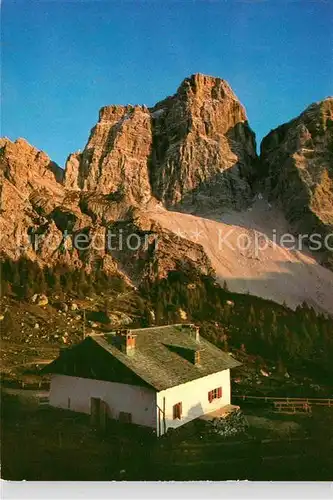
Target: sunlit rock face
(30,185)
(297,165)
(203,150)
(194,153)
(194,148)
(115,159)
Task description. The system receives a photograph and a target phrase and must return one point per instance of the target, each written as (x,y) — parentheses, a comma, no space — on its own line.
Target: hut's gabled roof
(162,358)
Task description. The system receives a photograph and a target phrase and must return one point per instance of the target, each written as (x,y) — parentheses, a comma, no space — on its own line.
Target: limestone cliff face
(203,148)
(115,159)
(193,152)
(194,147)
(28,169)
(41,219)
(297,163)
(30,183)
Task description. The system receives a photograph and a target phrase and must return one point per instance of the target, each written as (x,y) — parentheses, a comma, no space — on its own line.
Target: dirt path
(35,362)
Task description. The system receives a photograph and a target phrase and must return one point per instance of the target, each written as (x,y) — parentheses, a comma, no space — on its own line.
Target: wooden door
(95,408)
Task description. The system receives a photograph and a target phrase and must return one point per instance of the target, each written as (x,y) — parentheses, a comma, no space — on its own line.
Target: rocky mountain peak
(28,168)
(183,149)
(203,87)
(115,158)
(204,151)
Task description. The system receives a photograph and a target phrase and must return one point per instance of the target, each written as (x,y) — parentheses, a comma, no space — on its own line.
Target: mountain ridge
(191,153)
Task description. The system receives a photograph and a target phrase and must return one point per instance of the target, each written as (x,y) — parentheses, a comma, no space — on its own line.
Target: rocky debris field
(33,331)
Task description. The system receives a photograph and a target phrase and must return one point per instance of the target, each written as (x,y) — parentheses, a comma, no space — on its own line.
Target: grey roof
(159,356)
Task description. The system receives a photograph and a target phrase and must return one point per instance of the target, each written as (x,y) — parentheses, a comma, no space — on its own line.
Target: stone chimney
(196,357)
(126,341)
(193,330)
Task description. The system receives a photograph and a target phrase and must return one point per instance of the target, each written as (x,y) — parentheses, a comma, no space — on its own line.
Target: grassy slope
(51,444)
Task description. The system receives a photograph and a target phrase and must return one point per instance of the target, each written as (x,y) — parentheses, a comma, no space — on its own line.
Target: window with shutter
(177,411)
(215,394)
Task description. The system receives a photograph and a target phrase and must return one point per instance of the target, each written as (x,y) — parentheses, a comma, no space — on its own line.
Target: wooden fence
(289,404)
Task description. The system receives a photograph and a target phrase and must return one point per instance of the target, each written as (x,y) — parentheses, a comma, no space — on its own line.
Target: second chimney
(193,330)
(126,341)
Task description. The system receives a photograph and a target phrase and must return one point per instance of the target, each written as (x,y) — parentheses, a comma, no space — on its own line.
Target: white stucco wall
(75,393)
(194,398)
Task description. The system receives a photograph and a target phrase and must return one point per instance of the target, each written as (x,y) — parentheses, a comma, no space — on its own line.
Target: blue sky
(63,60)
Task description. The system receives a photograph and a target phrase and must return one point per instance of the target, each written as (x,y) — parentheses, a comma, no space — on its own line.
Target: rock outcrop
(297,165)
(194,148)
(115,159)
(204,152)
(31,185)
(101,199)
(28,169)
